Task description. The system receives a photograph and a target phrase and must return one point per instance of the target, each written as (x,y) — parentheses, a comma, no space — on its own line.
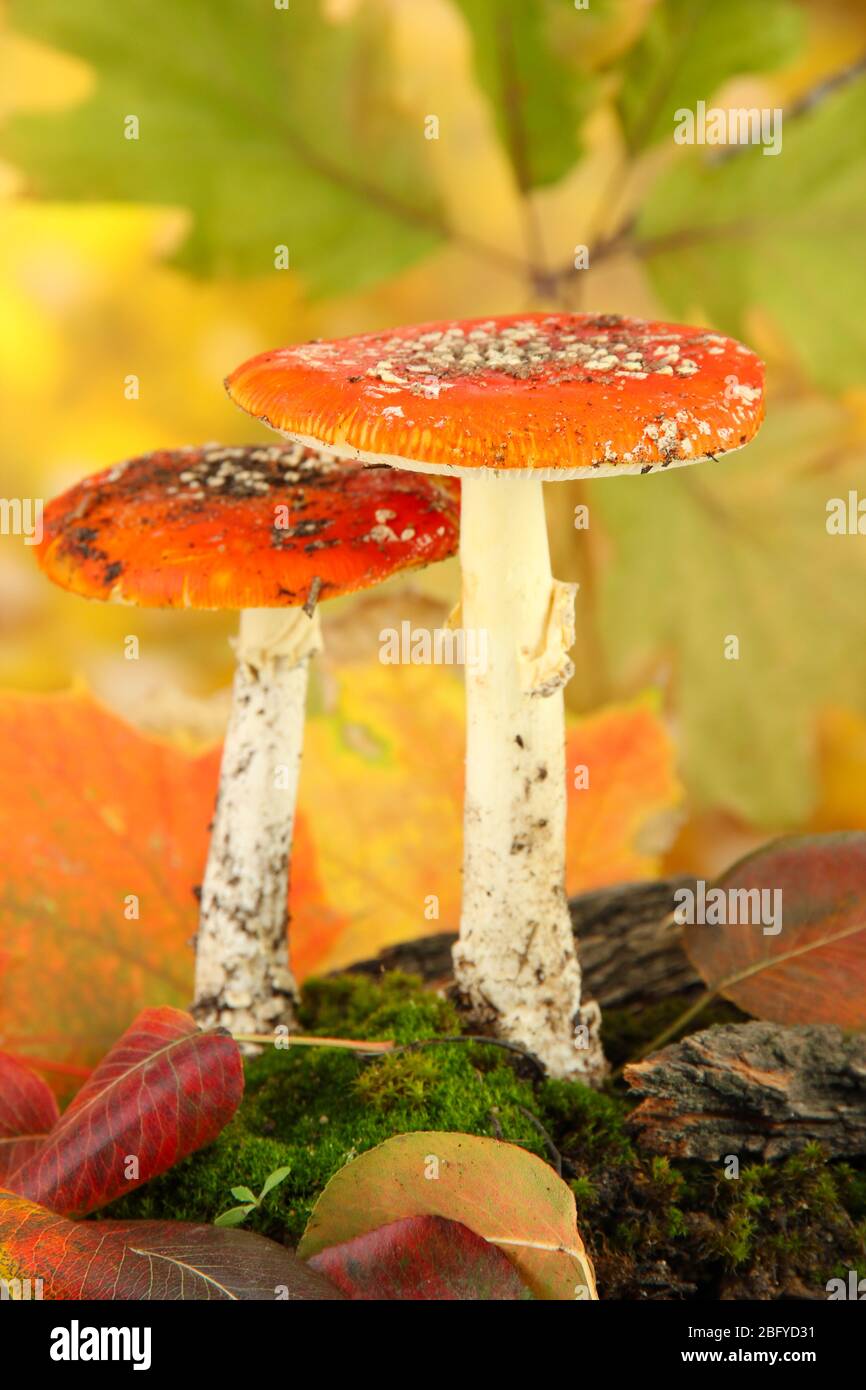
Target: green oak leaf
(689,48)
(741,548)
(536,97)
(783,232)
(274,127)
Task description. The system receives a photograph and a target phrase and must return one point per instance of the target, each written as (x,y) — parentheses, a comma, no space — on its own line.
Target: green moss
(356,1006)
(313,1110)
(783,1217)
(655,1228)
(411,1079)
(852,1189)
(585,1194)
(589,1125)
(778,1229)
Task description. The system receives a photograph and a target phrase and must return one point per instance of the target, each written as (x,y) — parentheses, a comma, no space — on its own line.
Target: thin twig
(281,1040)
(386,1046)
(810,99)
(548,1142)
(684,237)
(678,1024)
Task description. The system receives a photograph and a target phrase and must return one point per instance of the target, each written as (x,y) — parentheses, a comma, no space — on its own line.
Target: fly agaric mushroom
(506,404)
(267,531)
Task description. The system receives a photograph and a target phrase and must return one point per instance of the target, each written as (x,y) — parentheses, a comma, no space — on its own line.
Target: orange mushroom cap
(556,395)
(243,527)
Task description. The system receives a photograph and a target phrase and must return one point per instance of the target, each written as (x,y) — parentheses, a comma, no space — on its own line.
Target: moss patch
(655,1229)
(313,1110)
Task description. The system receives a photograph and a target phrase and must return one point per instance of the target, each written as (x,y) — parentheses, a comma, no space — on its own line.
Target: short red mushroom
(269,531)
(506,404)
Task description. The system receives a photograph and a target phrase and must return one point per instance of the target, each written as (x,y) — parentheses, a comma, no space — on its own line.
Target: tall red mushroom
(269,531)
(506,404)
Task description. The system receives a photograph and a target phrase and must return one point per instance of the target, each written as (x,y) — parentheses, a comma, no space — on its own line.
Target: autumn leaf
(382,793)
(502,1193)
(841,801)
(812,970)
(236,123)
(536,97)
(784,233)
(146,1260)
(164,1090)
(725,575)
(28,1111)
(381,785)
(96,904)
(623,795)
(420,1258)
(689,48)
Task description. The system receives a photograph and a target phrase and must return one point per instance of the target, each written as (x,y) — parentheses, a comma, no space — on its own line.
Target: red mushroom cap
(557,395)
(204,528)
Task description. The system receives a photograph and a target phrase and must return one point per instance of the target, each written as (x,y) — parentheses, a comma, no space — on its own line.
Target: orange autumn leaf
(106,835)
(624,795)
(100,821)
(317,923)
(382,788)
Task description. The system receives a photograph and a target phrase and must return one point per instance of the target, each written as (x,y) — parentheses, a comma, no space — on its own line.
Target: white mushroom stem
(515,961)
(243,979)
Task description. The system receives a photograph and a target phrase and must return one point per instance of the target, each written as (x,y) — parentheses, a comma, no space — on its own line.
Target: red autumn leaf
(813,970)
(420,1258)
(28,1111)
(147,1260)
(165,1089)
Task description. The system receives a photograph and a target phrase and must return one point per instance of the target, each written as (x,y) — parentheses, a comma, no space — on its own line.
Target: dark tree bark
(427,956)
(629,952)
(753,1089)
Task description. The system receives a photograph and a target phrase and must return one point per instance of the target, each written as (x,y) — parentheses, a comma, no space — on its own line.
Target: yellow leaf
(382,793)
